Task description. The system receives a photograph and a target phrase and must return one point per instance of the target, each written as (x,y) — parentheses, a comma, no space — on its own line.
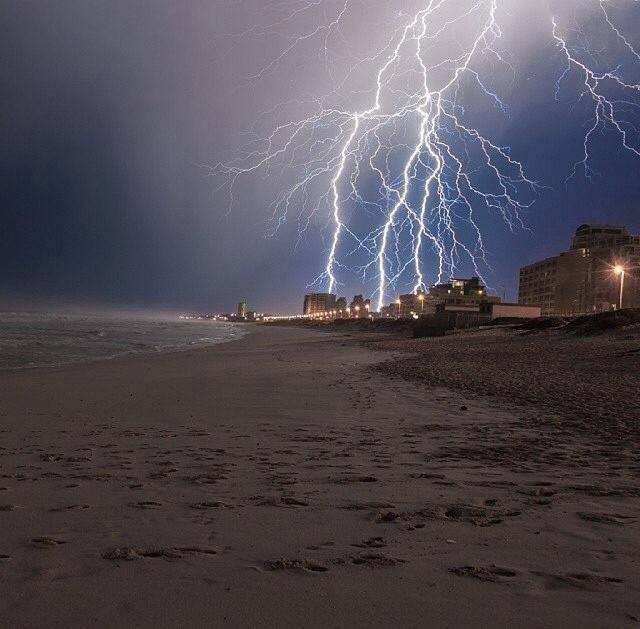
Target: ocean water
(39,340)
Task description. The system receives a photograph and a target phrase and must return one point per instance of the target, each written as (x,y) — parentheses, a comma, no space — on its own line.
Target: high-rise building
(242,310)
(318,303)
(583,279)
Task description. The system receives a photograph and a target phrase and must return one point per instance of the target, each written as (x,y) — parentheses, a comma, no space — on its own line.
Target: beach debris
(386,516)
(122,554)
(48,458)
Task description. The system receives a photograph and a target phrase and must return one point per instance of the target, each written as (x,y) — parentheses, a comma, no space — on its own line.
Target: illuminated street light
(618,269)
(421,298)
(398,311)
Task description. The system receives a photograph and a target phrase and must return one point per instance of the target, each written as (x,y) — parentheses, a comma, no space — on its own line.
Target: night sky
(110,110)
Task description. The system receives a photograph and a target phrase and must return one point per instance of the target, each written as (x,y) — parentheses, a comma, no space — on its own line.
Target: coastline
(280,477)
(93,342)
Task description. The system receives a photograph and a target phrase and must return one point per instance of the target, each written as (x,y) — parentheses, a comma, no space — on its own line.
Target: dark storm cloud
(107,111)
(109,108)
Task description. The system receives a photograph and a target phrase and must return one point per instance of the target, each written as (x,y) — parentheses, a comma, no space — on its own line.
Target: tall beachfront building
(317,303)
(602,260)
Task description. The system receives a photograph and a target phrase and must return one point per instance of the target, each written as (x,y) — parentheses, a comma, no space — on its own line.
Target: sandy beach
(298,478)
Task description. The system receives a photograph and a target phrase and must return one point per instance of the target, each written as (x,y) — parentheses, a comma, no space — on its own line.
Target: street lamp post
(619,270)
(398,310)
(421,298)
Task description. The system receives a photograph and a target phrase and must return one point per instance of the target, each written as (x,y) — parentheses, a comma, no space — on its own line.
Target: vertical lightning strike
(411,167)
(336,203)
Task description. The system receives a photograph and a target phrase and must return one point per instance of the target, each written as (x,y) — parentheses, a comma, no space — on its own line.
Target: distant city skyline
(112,116)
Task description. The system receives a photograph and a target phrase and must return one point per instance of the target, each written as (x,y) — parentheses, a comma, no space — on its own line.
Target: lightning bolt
(607,111)
(410,164)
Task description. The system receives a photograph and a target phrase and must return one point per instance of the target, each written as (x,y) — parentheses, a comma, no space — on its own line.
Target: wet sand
(281,481)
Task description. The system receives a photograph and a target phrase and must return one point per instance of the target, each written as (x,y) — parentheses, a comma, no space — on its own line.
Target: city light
(618,269)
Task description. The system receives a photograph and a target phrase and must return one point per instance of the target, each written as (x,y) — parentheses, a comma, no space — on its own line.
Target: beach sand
(282,481)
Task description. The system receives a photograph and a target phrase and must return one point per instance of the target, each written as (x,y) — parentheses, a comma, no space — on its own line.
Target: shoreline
(91,343)
(280,477)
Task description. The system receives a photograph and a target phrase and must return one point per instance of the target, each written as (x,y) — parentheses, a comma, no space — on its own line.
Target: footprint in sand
(363,506)
(145,504)
(492,573)
(607,518)
(293,502)
(294,564)
(46,542)
(375,560)
(353,479)
(372,542)
(196,550)
(129,553)
(208,505)
(579,580)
